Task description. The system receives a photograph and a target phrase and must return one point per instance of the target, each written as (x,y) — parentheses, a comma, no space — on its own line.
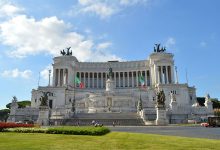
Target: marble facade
(122,92)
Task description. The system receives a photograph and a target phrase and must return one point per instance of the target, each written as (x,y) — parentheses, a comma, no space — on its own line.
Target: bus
(214,121)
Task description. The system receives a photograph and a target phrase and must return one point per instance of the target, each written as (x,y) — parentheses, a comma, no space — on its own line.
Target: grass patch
(111,141)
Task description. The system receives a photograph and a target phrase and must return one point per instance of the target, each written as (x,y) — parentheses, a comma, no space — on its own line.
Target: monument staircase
(119,119)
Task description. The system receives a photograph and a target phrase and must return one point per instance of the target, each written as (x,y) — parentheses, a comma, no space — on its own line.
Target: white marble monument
(119,91)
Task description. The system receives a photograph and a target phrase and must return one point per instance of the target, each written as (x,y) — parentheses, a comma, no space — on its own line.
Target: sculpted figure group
(157,48)
(161,98)
(44,99)
(67,52)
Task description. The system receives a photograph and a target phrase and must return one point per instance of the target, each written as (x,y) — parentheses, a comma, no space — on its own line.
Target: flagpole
(38,80)
(187,77)
(74,96)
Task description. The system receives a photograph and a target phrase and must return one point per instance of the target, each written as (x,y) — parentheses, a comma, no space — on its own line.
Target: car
(204,124)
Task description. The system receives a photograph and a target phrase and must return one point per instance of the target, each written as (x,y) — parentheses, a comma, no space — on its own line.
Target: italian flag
(141,80)
(77,81)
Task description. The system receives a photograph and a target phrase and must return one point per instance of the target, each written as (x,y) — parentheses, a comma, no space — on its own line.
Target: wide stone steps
(123,119)
(105,122)
(106,116)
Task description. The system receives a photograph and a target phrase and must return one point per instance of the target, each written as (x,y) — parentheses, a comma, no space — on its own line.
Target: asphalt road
(184,131)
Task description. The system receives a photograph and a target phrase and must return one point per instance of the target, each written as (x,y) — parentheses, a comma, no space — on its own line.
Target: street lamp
(49,77)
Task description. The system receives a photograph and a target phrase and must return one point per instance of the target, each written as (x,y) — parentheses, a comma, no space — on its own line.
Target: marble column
(156,75)
(58,77)
(93,76)
(123,79)
(97,80)
(88,79)
(132,79)
(84,79)
(128,77)
(119,79)
(137,85)
(167,79)
(145,72)
(172,74)
(101,79)
(161,74)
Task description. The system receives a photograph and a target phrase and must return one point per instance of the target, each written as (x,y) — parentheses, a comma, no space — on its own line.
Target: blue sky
(33,32)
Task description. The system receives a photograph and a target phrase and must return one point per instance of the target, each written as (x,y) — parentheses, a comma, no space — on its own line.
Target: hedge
(4,125)
(79,130)
(64,130)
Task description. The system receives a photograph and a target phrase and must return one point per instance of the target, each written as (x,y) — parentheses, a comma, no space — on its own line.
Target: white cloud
(170,42)
(8,9)
(15,73)
(27,36)
(102,54)
(133,2)
(45,72)
(104,45)
(49,35)
(105,8)
(100,9)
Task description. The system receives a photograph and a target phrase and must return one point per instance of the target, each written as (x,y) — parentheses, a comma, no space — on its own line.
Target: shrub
(61,130)
(4,125)
(27,130)
(78,130)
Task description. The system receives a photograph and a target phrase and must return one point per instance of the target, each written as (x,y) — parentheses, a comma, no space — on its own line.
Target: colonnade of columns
(165,74)
(61,77)
(122,79)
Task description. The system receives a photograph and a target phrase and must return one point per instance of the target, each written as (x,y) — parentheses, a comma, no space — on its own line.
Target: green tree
(216,103)
(4,113)
(21,104)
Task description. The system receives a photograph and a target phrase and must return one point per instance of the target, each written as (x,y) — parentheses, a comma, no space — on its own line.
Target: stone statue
(110,73)
(63,52)
(44,99)
(172,97)
(67,52)
(207,97)
(14,99)
(158,49)
(161,99)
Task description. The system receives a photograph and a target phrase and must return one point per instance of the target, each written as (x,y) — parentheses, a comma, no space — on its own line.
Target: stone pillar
(145,72)
(119,79)
(105,78)
(84,79)
(128,78)
(172,74)
(161,116)
(43,117)
(88,79)
(97,80)
(161,75)
(167,79)
(93,76)
(58,84)
(173,103)
(110,85)
(137,79)
(101,79)
(132,79)
(156,75)
(54,77)
(67,77)
(123,79)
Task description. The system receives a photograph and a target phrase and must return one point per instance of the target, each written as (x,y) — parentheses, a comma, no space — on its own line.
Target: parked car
(205,124)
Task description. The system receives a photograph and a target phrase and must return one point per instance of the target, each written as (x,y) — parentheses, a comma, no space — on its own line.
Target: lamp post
(49,77)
